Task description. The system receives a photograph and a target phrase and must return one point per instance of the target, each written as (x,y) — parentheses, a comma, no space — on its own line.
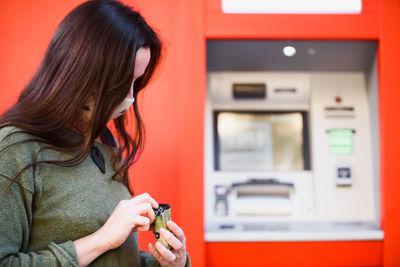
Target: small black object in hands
(98,158)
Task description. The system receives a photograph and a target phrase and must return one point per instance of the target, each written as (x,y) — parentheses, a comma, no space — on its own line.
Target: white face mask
(124,106)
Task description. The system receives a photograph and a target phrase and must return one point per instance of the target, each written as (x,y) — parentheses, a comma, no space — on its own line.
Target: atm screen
(341,141)
(261,141)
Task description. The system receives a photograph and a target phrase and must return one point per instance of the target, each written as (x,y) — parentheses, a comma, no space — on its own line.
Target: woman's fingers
(166,253)
(176,238)
(171,239)
(145,209)
(128,216)
(155,253)
(145,197)
(142,223)
(177,231)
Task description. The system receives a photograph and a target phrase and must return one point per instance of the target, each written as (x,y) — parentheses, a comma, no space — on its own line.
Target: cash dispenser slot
(262,197)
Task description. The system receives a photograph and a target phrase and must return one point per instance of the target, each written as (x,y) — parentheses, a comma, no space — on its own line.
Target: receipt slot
(289,156)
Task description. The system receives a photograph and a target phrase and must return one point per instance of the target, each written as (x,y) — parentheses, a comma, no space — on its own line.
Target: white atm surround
(321,210)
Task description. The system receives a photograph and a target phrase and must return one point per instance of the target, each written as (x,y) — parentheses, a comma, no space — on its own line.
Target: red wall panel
(26,28)
(389,95)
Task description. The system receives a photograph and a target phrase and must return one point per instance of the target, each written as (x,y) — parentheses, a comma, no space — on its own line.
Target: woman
(58,206)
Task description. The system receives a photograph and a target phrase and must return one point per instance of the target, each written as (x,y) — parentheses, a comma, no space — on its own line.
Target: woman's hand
(135,214)
(177,240)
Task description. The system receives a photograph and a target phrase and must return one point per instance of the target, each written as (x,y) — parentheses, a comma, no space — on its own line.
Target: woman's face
(141,62)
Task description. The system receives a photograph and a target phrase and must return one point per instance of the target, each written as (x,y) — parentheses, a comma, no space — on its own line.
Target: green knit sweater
(50,206)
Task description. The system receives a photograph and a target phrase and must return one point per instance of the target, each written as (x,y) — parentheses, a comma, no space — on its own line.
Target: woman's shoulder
(15,153)
(19,138)
(5,130)
(11,133)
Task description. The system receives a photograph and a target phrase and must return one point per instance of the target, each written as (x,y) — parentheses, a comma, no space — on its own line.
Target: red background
(171,168)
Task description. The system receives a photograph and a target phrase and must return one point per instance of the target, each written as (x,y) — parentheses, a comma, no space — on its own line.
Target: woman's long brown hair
(92,53)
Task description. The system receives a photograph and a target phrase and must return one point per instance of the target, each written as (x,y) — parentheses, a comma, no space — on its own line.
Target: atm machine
(289,157)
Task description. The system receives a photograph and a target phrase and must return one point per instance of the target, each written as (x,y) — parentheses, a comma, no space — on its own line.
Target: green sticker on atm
(341,141)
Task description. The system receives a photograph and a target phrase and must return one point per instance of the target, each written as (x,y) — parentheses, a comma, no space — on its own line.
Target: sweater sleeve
(147,260)
(16,213)
(15,222)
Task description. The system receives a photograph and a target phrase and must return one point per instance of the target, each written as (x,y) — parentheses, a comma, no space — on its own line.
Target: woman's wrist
(90,247)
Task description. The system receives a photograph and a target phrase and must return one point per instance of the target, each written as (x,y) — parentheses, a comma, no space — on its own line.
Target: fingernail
(162,229)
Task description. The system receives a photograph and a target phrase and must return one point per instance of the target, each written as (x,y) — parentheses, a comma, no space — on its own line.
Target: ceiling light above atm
(292,6)
(289,51)
(311,51)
